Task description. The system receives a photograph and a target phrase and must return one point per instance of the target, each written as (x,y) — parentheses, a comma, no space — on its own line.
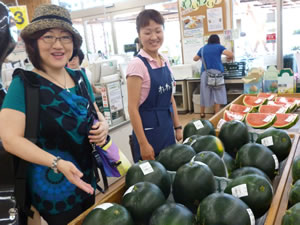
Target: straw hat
(51,16)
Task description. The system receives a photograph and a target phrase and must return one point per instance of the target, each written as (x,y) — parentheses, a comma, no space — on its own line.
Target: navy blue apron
(155,111)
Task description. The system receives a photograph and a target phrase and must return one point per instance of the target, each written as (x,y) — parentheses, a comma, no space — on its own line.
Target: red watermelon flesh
(240,108)
(253,101)
(269,96)
(228,116)
(288,100)
(272,109)
(285,120)
(260,120)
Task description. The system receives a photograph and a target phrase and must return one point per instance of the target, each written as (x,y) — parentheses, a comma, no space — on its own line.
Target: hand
(178,134)
(74,175)
(147,152)
(98,133)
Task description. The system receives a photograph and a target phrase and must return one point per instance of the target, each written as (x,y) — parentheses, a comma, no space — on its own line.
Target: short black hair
(213,39)
(80,55)
(144,17)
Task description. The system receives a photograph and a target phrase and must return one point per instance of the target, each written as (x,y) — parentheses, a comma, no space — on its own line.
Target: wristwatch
(54,164)
(178,128)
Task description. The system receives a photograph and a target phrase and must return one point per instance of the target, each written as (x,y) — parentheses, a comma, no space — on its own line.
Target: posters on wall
(214,19)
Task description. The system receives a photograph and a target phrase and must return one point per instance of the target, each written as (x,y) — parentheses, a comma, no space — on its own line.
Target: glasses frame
(54,39)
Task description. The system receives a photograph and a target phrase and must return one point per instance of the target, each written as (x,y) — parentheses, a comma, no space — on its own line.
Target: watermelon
(151,171)
(225,209)
(289,107)
(193,182)
(228,115)
(190,140)
(288,100)
(285,120)
(277,140)
(174,156)
(208,143)
(172,214)
(141,200)
(294,195)
(259,156)
(296,168)
(108,213)
(260,120)
(233,134)
(229,162)
(200,127)
(259,192)
(272,109)
(248,170)
(214,162)
(269,96)
(253,101)
(292,216)
(240,108)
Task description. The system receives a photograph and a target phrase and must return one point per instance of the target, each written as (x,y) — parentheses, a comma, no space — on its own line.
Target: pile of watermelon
(265,110)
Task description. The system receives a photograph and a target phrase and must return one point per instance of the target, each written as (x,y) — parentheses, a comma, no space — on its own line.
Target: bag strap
(203,60)
(32,99)
(97,161)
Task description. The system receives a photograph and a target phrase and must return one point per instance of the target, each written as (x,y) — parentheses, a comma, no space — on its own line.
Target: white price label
(146,168)
(258,101)
(276,162)
(281,110)
(200,163)
(290,118)
(237,117)
(246,110)
(198,124)
(270,97)
(193,159)
(240,191)
(104,206)
(268,118)
(186,140)
(220,123)
(251,216)
(282,100)
(267,141)
(129,190)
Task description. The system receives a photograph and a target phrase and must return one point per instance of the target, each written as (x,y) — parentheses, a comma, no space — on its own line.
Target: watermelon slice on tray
(288,100)
(272,109)
(289,106)
(285,120)
(269,96)
(260,120)
(240,108)
(253,101)
(229,115)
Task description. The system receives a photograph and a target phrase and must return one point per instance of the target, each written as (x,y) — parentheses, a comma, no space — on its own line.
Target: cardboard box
(253,82)
(286,81)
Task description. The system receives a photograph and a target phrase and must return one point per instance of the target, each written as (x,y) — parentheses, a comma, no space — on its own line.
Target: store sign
(20,16)
(271,38)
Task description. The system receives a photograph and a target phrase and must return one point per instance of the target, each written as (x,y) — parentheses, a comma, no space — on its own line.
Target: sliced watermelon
(228,116)
(253,101)
(272,109)
(260,120)
(240,108)
(269,96)
(285,120)
(289,107)
(288,100)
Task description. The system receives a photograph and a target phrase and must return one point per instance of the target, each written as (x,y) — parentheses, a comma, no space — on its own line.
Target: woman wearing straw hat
(60,178)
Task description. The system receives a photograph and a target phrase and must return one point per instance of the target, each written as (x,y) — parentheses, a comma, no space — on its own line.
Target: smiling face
(55,55)
(74,63)
(151,37)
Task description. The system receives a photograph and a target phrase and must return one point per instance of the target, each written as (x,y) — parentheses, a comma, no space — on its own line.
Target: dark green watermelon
(259,192)
(172,214)
(208,143)
(223,209)
(158,176)
(200,127)
(108,213)
(292,215)
(234,134)
(174,156)
(294,195)
(246,171)
(296,168)
(229,162)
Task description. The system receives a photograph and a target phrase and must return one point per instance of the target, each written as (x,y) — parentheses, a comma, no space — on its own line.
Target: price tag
(251,216)
(220,123)
(290,118)
(282,100)
(237,117)
(268,118)
(267,141)
(258,101)
(20,16)
(193,159)
(200,163)
(146,168)
(276,162)
(198,124)
(104,206)
(129,190)
(247,110)
(281,110)
(240,191)
(186,140)
(270,97)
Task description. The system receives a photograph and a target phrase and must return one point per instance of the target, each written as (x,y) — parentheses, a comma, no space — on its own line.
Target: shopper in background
(212,52)
(60,176)
(151,104)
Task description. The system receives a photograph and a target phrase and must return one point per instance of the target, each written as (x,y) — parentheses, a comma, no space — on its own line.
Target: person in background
(151,105)
(60,177)
(212,52)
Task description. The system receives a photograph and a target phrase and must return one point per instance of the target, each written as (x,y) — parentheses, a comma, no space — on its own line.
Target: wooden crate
(239,100)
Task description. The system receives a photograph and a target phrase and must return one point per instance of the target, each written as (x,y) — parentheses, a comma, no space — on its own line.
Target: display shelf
(181,96)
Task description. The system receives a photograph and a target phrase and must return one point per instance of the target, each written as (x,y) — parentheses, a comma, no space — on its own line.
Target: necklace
(65,85)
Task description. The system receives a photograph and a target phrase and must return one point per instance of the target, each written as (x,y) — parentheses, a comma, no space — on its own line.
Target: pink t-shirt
(136,67)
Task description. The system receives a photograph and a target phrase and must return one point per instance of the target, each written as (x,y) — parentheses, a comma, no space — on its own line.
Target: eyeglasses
(52,39)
